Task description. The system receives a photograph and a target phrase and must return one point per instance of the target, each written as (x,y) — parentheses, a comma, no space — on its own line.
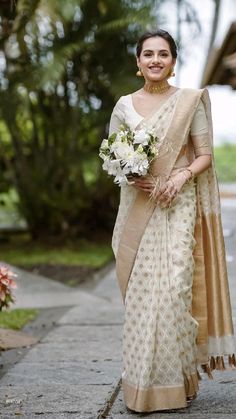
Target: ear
(138,61)
(174,61)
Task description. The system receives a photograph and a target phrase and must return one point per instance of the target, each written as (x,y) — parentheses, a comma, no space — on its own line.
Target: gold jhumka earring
(171,73)
(139,73)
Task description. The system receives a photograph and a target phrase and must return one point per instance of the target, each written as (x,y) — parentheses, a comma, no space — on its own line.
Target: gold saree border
(215,268)
(214,319)
(156,397)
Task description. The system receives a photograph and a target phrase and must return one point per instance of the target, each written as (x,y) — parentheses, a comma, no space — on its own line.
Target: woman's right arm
(117,117)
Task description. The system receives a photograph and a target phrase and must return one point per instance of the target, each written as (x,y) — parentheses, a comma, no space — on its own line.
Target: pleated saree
(170,263)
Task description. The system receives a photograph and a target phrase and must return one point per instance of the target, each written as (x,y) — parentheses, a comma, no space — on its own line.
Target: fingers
(167,193)
(145,184)
(164,195)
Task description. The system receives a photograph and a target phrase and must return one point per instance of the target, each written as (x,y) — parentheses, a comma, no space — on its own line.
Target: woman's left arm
(201,141)
(176,182)
(199,133)
(200,164)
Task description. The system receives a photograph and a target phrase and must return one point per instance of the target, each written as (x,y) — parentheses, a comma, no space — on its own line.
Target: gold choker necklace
(161,87)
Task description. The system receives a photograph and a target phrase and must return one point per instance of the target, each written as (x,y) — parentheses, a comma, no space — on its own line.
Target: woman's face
(155,60)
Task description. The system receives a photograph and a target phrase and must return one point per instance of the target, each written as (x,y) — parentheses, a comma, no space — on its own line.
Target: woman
(169,248)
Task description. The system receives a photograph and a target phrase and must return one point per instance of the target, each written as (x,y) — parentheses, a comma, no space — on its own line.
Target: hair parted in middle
(155,33)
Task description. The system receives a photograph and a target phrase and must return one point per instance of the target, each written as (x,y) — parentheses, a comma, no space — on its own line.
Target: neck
(160,86)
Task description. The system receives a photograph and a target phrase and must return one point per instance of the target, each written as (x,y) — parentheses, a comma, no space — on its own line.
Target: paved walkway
(74,371)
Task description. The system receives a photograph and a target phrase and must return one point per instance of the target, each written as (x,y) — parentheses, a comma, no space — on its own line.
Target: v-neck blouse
(125,113)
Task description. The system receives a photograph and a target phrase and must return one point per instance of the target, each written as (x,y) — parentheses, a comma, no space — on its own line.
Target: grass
(16,319)
(225,157)
(21,251)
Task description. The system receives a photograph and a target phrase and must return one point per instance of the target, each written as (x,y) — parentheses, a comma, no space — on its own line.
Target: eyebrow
(151,50)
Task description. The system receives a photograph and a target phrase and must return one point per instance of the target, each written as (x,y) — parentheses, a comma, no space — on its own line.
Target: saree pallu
(172,274)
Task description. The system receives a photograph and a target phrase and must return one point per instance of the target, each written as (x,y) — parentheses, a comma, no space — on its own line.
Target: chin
(157,78)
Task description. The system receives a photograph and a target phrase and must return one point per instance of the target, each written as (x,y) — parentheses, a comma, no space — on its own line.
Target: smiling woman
(168,241)
(156,62)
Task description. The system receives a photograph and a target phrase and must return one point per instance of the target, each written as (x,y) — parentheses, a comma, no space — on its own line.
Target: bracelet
(191,172)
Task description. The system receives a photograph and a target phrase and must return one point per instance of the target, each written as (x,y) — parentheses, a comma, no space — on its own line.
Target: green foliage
(9,216)
(66,64)
(63,66)
(225,157)
(16,319)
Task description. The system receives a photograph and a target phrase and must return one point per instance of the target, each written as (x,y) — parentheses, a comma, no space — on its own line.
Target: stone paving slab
(62,298)
(68,351)
(73,370)
(83,314)
(167,415)
(50,415)
(52,400)
(69,373)
(36,291)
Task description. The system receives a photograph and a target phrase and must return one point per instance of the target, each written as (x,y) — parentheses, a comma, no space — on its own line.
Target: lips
(155,70)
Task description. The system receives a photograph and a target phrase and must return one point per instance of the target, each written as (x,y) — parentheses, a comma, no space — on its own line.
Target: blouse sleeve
(199,132)
(117,117)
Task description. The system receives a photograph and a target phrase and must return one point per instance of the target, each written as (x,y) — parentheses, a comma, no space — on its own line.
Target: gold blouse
(198,140)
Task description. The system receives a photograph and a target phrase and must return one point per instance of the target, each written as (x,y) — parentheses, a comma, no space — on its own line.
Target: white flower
(104,143)
(121,135)
(111,166)
(128,152)
(103,156)
(122,150)
(141,164)
(141,137)
(137,163)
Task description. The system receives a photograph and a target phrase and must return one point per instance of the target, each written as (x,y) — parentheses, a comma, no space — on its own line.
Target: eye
(147,54)
(164,54)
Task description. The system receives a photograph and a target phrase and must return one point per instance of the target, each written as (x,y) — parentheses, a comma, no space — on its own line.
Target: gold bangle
(191,172)
(188,180)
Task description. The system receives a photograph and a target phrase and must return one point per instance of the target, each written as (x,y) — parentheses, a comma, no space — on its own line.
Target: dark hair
(161,33)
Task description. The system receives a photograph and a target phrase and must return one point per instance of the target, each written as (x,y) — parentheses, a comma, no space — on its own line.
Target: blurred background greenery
(63,65)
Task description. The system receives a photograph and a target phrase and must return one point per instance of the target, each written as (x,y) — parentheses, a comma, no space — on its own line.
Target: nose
(155,58)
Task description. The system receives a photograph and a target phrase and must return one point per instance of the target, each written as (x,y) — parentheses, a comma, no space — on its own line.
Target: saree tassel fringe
(218,363)
(207,369)
(232,361)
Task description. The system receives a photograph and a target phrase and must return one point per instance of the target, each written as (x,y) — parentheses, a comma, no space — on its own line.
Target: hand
(144,183)
(171,188)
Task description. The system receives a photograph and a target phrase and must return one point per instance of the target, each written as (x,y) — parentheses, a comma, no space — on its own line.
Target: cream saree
(171,271)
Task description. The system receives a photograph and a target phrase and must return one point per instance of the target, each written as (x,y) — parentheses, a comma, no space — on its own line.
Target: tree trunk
(214,26)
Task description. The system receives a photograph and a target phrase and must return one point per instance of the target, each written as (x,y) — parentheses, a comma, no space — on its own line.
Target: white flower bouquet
(128,153)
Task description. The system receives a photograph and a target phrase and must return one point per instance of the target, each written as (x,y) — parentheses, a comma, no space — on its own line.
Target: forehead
(155,44)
